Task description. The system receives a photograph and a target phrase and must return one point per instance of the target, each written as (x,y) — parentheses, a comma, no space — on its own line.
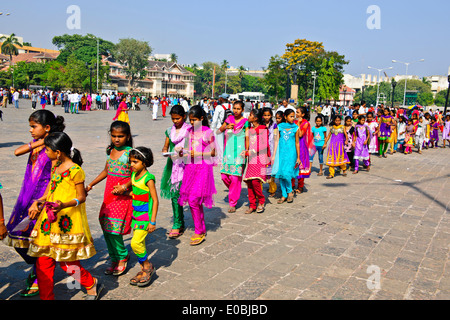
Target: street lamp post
(378,82)
(314,75)
(90,77)
(394,84)
(406,79)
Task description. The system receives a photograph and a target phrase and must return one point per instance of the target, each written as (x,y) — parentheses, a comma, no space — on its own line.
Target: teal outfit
(286,157)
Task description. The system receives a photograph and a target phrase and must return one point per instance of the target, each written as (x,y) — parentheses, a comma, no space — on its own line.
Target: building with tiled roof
(163,79)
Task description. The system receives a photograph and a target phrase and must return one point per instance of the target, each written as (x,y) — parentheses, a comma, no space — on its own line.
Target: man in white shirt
(217,121)
(184,104)
(155,103)
(72,101)
(284,106)
(205,105)
(16,99)
(326,113)
(363,109)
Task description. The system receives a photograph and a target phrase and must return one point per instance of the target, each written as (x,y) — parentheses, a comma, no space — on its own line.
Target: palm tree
(241,73)
(173,57)
(9,46)
(225,64)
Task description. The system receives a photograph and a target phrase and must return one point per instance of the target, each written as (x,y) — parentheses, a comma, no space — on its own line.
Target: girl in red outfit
(258,153)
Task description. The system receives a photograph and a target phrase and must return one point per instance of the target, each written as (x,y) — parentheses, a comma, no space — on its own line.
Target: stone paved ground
(393,220)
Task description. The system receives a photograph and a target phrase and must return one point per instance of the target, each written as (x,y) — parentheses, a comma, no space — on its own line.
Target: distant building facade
(163,79)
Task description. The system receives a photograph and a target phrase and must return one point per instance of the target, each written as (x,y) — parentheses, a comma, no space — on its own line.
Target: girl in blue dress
(287,157)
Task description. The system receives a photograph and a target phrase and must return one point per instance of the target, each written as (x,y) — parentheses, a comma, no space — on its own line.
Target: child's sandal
(135,280)
(290,198)
(195,241)
(250,211)
(145,280)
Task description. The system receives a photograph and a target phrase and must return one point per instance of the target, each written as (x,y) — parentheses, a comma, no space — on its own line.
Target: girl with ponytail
(61,233)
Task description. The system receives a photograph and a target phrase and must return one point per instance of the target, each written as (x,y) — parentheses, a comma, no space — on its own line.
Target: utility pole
(214,81)
(314,74)
(98,64)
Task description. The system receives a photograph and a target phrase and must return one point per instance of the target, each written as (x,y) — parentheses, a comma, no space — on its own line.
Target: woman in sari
(122,112)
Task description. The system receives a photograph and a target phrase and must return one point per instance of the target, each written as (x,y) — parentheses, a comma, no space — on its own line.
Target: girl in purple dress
(434,135)
(385,123)
(35,182)
(361,140)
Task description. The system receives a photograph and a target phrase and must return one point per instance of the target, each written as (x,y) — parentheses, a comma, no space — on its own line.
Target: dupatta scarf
(35,182)
(305,126)
(177,162)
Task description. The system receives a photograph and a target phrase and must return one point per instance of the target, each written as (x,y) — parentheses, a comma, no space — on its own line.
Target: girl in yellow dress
(61,233)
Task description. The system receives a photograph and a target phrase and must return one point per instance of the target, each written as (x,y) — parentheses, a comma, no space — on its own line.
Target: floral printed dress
(69,237)
(117,210)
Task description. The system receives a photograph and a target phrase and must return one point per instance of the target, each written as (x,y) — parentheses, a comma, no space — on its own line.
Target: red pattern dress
(259,154)
(117,210)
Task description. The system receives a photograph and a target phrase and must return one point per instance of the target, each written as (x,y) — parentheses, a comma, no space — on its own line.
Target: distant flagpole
(97,62)
(214,81)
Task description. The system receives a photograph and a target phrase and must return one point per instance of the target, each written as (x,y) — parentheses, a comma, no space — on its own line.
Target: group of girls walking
(49,224)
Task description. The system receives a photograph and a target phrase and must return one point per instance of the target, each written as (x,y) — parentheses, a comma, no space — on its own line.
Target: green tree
(425,99)
(275,78)
(328,85)
(441,96)
(84,47)
(313,63)
(133,55)
(29,73)
(9,46)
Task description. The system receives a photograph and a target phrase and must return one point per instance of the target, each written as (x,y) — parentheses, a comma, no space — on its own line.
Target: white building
(160,56)
(438,83)
(163,78)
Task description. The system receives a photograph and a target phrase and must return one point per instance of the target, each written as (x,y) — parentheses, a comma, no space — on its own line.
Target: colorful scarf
(178,141)
(237,128)
(308,136)
(122,106)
